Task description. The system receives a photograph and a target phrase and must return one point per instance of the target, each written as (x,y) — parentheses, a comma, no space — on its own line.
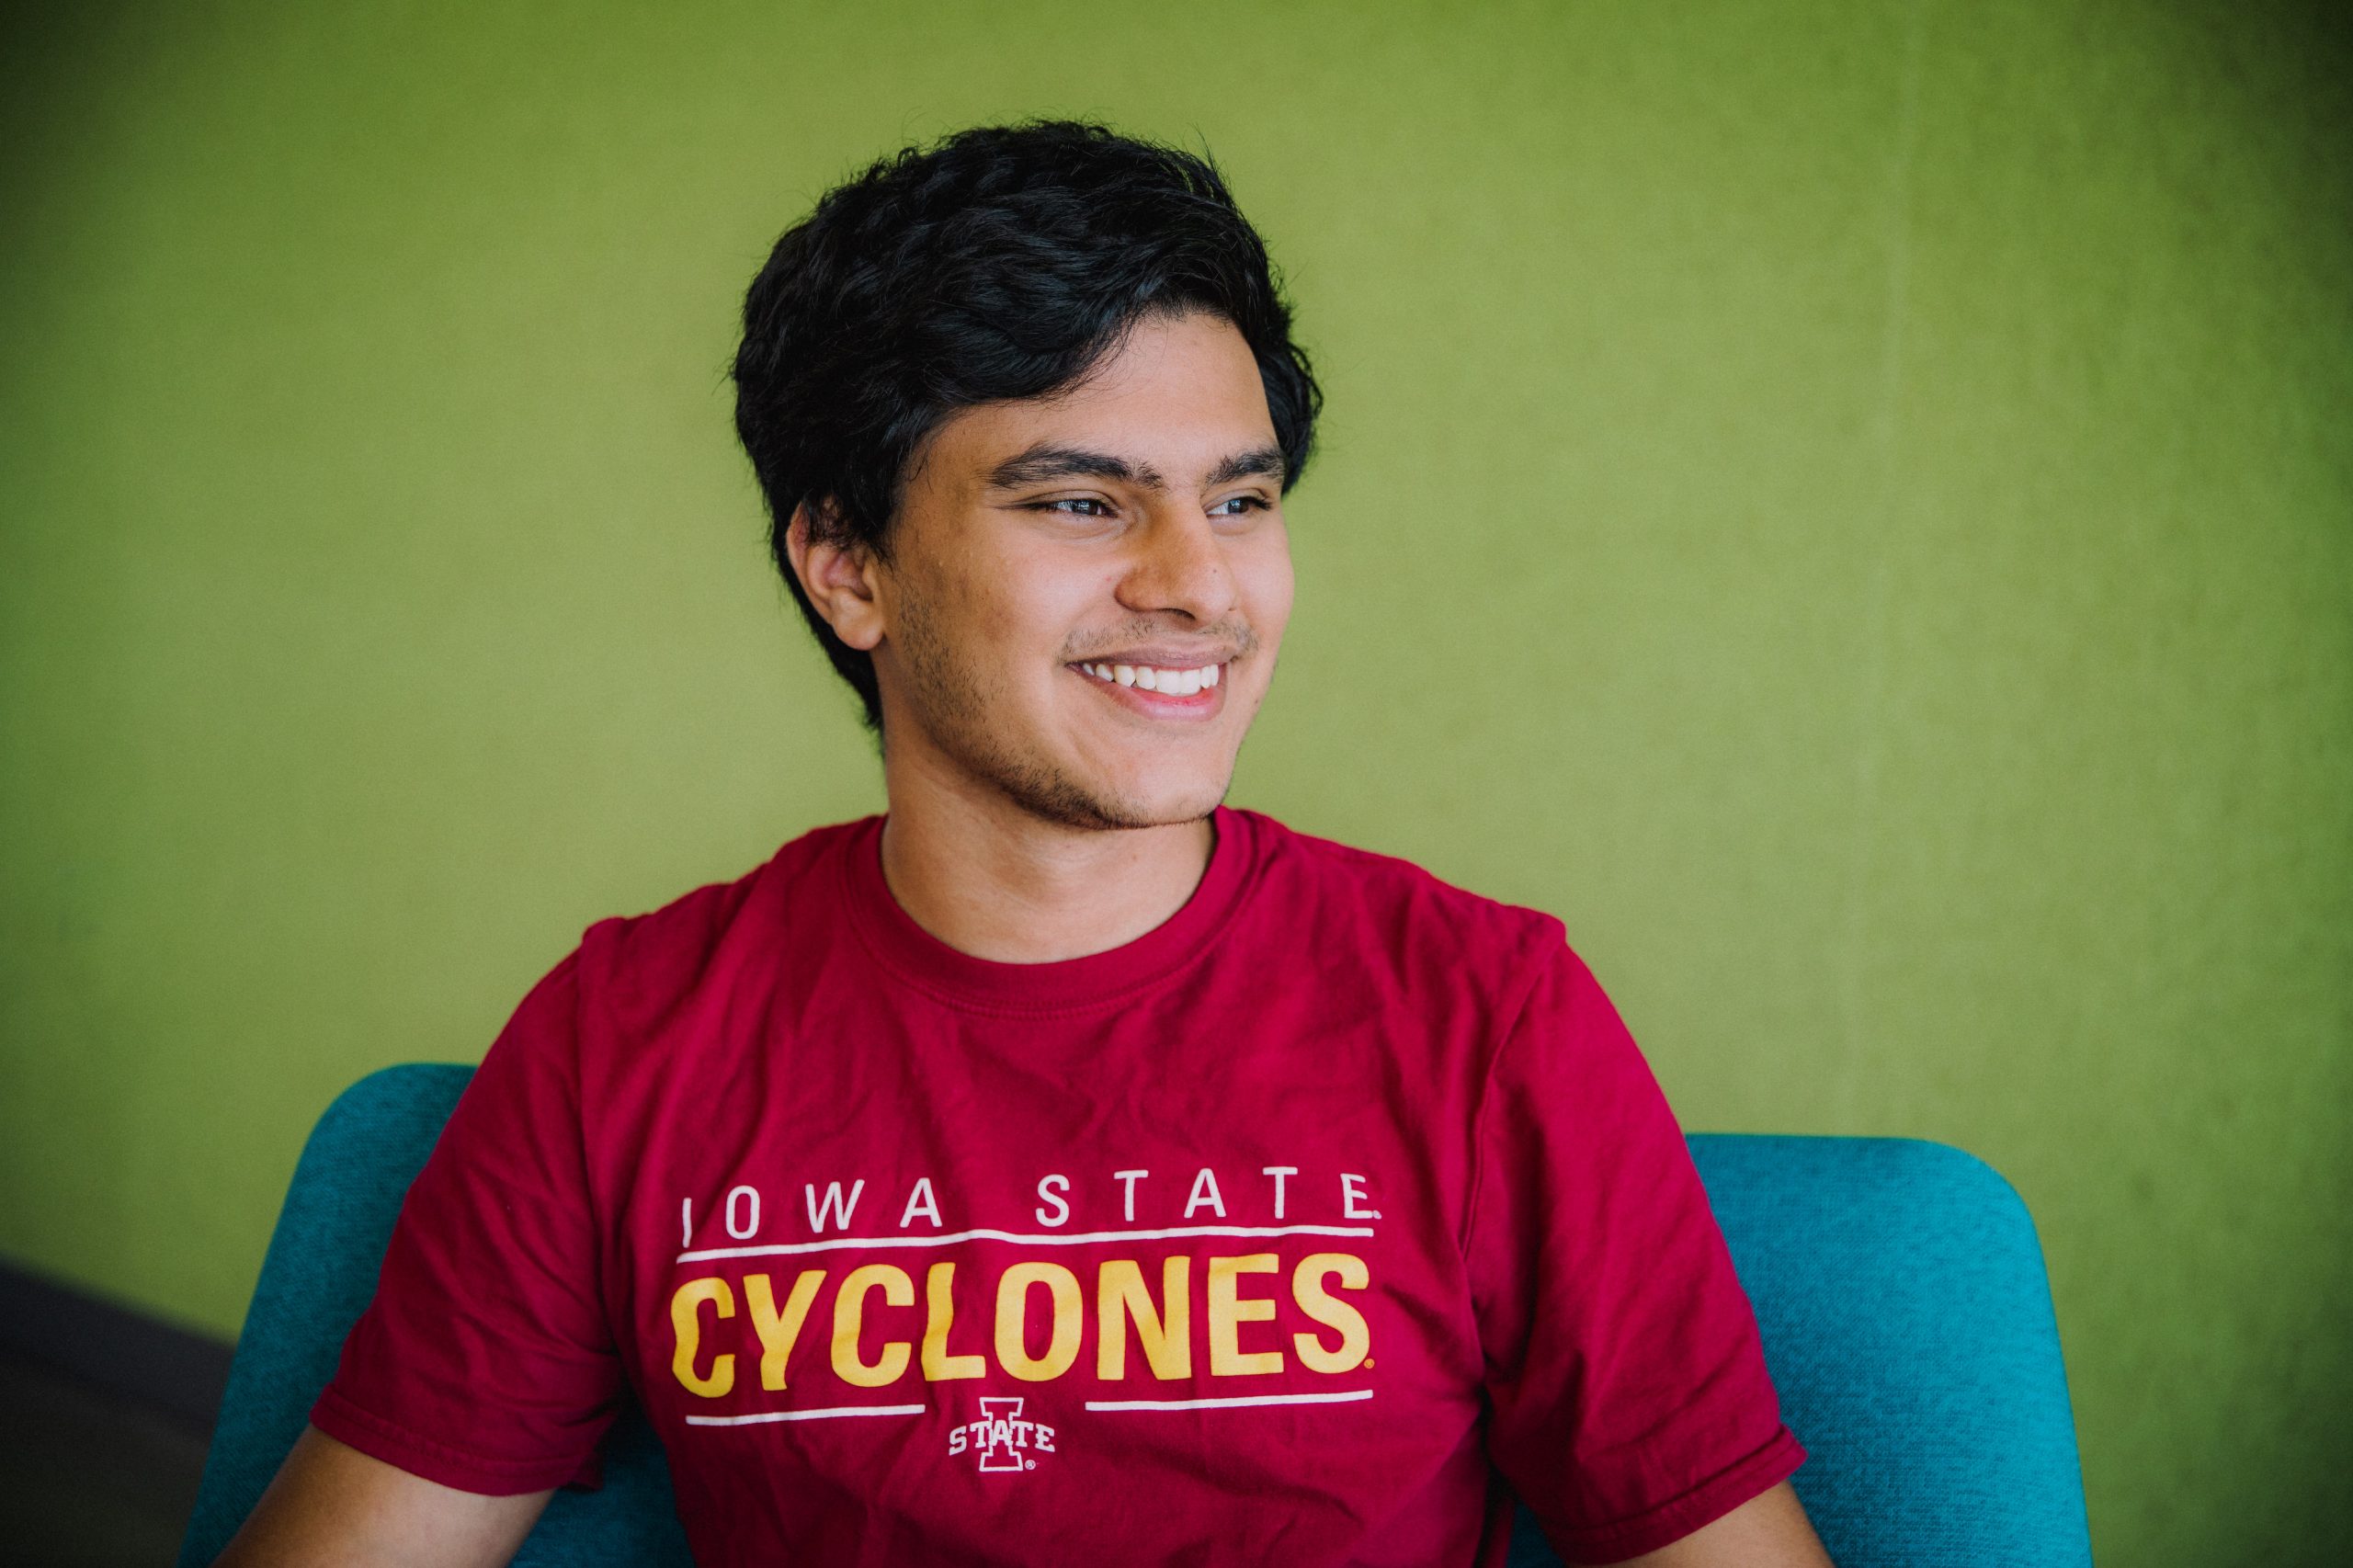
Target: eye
(1075,506)
(1239,505)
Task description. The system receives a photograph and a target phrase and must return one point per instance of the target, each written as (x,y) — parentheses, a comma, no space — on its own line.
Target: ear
(840,580)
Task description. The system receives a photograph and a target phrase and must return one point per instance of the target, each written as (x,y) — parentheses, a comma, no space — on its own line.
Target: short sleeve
(485,1361)
(1629,1399)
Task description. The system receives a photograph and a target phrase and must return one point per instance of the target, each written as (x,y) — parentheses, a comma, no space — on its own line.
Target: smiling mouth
(1166,681)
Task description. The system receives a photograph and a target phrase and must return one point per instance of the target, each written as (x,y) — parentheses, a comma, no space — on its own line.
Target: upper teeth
(1176,683)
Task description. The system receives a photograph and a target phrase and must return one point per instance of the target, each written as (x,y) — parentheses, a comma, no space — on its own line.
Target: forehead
(1177,395)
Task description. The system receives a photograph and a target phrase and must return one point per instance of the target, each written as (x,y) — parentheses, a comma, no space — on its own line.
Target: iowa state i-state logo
(1004,1440)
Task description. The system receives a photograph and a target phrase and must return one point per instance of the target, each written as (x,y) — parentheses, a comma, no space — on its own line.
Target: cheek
(1267,588)
(988,609)
(1035,607)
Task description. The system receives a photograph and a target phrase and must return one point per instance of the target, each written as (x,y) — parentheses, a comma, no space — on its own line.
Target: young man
(1065,1168)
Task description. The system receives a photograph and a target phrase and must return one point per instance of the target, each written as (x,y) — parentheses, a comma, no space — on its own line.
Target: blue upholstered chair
(1899,1285)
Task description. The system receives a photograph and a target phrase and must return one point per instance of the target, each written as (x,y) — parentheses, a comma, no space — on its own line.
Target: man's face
(1085,593)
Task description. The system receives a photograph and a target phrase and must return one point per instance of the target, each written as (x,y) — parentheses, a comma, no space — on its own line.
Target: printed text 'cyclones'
(873,1334)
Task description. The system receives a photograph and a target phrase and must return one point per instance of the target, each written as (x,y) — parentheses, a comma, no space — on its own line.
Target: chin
(1107,805)
(1189,806)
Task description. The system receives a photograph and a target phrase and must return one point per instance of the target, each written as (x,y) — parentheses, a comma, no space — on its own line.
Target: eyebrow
(1040,463)
(1265,462)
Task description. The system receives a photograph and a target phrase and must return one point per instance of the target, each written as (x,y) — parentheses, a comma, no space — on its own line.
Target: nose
(1179,568)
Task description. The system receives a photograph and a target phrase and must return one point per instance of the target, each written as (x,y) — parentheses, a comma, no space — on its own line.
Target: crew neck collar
(925,961)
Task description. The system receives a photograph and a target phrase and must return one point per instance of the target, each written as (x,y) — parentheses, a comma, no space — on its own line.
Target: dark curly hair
(1000,263)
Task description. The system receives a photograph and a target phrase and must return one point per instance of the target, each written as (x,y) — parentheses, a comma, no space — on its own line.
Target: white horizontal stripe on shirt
(1228,1404)
(1045,1238)
(818,1415)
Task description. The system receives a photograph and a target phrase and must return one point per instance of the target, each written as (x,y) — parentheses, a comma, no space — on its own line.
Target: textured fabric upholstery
(1899,1285)
(1908,1320)
(315,1282)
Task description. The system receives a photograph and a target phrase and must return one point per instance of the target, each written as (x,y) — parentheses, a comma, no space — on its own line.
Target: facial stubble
(952,709)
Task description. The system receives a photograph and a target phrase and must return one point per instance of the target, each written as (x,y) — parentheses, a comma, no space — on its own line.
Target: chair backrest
(316,1279)
(1898,1284)
(1908,1320)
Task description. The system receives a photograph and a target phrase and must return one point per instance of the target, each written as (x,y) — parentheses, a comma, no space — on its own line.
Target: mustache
(1230,637)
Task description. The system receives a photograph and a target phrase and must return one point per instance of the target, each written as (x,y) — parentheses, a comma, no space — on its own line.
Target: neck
(996,881)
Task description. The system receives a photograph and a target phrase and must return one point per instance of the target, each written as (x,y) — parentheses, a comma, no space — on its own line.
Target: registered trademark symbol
(1028,1464)
(1368,1362)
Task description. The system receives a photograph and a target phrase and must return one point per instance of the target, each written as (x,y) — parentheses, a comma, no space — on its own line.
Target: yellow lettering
(779,1331)
(1166,1334)
(939,1315)
(687,1323)
(1012,1319)
(1229,1311)
(1307,1290)
(849,1319)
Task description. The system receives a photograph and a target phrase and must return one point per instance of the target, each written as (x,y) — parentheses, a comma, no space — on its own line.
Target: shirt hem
(1703,1505)
(482,1474)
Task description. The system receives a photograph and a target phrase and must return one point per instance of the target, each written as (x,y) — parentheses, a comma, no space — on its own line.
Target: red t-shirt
(1273,1235)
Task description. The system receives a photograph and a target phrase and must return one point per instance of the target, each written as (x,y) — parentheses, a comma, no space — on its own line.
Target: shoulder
(635,968)
(1387,906)
(1387,887)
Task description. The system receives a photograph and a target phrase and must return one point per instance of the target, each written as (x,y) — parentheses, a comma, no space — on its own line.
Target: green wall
(1850,506)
